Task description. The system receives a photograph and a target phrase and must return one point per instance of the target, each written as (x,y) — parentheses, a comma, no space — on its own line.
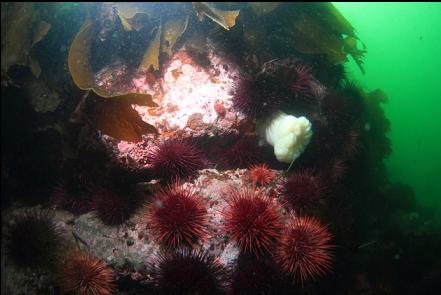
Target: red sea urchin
(241,153)
(301,81)
(305,251)
(82,274)
(257,276)
(111,206)
(336,169)
(261,174)
(33,240)
(188,272)
(340,109)
(253,221)
(303,190)
(254,97)
(352,143)
(177,216)
(71,198)
(176,158)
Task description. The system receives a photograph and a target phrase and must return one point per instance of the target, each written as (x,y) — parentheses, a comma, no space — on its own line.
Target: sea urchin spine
(82,274)
(177,216)
(253,221)
(257,276)
(302,80)
(240,154)
(33,240)
(303,190)
(73,200)
(176,158)
(261,174)
(112,207)
(249,99)
(188,272)
(305,250)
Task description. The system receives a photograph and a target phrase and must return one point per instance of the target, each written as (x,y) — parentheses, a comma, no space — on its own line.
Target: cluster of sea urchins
(278,84)
(254,223)
(177,216)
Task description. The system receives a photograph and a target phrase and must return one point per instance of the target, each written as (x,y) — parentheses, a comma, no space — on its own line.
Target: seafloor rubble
(199,148)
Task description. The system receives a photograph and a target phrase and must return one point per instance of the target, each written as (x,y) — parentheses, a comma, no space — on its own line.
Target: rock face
(194,101)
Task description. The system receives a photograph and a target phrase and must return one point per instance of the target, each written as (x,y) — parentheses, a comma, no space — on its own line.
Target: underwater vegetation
(199,148)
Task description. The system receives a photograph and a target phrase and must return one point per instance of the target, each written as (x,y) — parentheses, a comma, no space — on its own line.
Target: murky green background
(404,59)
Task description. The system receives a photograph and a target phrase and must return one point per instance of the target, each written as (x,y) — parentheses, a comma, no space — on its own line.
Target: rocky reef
(199,148)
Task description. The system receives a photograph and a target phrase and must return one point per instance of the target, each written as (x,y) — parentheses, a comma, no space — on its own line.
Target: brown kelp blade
(79,58)
(111,113)
(151,56)
(319,28)
(116,117)
(81,71)
(225,19)
(21,30)
(172,31)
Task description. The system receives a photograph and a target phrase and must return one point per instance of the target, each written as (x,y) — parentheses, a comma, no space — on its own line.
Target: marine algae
(81,71)
(116,117)
(21,31)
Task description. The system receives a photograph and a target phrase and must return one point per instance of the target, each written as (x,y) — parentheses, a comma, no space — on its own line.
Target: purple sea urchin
(351,144)
(71,199)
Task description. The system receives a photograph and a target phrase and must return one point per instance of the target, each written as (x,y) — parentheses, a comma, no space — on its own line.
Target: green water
(404,59)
